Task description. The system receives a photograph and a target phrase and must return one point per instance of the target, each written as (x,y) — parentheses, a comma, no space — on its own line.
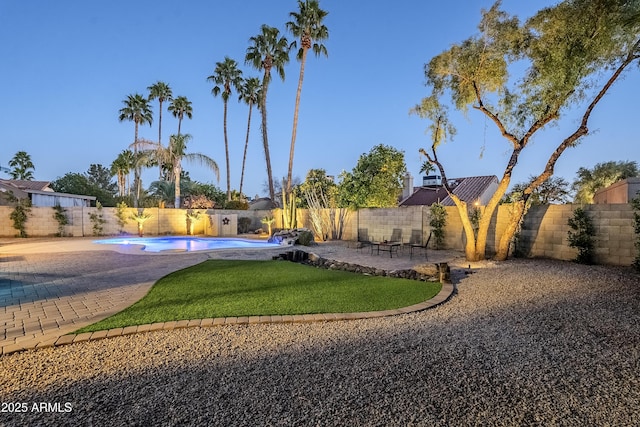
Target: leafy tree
(174,155)
(225,76)
(181,107)
(100,177)
(249,92)
(22,166)
(376,181)
(137,110)
(554,190)
(307,26)
(162,92)
(209,191)
(564,49)
(77,183)
(268,50)
(318,195)
(317,183)
(588,181)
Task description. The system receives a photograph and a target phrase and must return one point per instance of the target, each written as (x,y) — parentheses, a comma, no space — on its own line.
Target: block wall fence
(543,234)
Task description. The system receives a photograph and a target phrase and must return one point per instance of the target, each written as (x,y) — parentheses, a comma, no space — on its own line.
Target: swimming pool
(188,244)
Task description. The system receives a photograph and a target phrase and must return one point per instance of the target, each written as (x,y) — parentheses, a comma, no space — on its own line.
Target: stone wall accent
(310,258)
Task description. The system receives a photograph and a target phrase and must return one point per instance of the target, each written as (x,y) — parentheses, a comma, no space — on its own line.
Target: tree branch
(514,140)
(583,129)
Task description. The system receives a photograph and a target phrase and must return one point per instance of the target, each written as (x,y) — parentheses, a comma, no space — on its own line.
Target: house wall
(543,234)
(620,192)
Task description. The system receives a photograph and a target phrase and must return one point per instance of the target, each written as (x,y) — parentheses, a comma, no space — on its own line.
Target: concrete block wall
(401,224)
(545,230)
(41,222)
(543,234)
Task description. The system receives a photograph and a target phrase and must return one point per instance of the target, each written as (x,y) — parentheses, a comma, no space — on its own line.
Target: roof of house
(22,188)
(467,189)
(27,185)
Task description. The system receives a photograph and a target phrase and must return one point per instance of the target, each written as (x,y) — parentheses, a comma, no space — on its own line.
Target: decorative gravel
(526,342)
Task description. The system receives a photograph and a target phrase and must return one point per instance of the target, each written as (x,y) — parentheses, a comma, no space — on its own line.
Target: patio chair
(396,235)
(363,238)
(418,247)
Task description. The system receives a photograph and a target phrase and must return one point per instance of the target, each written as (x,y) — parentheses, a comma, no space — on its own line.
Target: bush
(243,224)
(635,203)
(437,222)
(305,238)
(581,236)
(59,214)
(20,214)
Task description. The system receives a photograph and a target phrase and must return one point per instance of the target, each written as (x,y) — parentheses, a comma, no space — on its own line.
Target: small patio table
(390,247)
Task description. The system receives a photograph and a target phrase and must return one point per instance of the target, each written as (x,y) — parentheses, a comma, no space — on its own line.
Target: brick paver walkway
(51,288)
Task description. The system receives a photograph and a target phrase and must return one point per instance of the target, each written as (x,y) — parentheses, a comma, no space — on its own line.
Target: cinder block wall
(41,222)
(543,234)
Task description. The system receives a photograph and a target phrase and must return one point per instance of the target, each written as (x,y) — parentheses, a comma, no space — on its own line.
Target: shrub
(305,238)
(97,220)
(268,220)
(581,236)
(635,203)
(437,222)
(20,214)
(59,214)
(121,214)
(243,224)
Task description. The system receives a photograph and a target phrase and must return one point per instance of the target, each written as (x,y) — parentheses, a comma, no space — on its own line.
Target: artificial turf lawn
(223,288)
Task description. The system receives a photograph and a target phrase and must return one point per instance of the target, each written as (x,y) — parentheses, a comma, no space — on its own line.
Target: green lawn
(221,288)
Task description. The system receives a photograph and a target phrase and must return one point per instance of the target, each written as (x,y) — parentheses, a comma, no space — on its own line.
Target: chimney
(407,190)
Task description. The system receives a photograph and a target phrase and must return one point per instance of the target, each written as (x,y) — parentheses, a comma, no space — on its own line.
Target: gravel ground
(522,343)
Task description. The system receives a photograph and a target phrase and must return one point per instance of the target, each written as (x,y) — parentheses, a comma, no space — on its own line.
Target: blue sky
(68,65)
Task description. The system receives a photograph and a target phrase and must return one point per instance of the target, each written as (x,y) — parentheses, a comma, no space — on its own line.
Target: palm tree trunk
(265,139)
(136,169)
(177,169)
(246,144)
(160,141)
(226,151)
(295,119)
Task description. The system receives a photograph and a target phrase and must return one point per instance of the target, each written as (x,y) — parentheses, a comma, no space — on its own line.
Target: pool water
(188,244)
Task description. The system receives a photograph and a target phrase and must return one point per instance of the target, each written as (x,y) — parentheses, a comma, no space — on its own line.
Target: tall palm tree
(249,93)
(121,167)
(225,76)
(174,154)
(181,107)
(162,92)
(308,27)
(268,50)
(20,164)
(136,109)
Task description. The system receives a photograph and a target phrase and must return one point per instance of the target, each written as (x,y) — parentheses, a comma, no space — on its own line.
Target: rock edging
(430,274)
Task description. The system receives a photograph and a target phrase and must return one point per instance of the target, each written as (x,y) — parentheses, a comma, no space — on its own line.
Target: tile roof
(468,189)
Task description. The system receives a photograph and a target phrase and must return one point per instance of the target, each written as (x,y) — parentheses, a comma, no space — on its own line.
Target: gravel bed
(525,342)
